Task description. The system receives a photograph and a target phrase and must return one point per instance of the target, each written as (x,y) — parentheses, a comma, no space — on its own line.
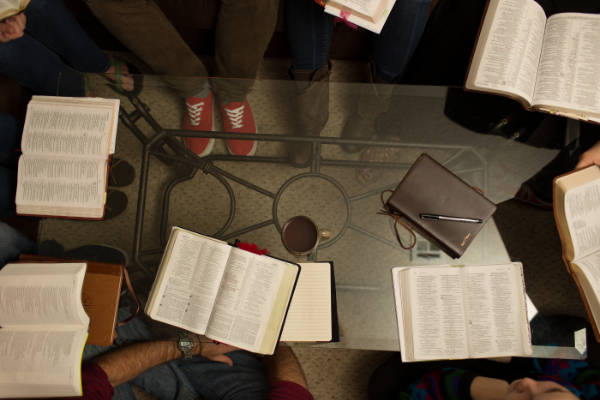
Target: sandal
(117,82)
(120,173)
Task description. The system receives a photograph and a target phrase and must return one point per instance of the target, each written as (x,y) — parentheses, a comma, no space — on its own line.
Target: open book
(369,14)
(8,8)
(548,64)
(66,145)
(44,328)
(228,294)
(577,216)
(454,312)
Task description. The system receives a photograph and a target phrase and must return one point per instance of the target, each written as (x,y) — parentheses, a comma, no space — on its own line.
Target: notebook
(430,190)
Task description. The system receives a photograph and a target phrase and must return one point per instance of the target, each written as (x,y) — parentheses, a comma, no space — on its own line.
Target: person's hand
(12,28)
(215,351)
(590,157)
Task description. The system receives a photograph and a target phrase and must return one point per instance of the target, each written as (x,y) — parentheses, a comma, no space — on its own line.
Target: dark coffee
(299,234)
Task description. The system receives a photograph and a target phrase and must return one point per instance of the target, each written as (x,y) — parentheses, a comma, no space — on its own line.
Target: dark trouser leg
(35,67)
(393,48)
(244,29)
(145,30)
(49,22)
(309,34)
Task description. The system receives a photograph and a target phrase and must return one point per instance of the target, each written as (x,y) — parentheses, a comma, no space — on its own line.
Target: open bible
(547,64)
(455,312)
(577,215)
(228,294)
(66,145)
(368,14)
(44,329)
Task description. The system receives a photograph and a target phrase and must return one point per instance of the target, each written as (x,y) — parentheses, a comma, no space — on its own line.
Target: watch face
(186,345)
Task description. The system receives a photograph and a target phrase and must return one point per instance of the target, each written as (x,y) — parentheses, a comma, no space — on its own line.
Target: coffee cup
(301,236)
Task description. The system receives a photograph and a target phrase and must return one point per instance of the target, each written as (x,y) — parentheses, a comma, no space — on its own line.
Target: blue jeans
(10,137)
(53,52)
(13,243)
(310,30)
(188,379)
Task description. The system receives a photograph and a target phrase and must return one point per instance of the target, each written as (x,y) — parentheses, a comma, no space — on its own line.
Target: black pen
(447,218)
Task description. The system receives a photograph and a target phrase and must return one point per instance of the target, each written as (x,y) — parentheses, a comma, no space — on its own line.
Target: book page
(42,294)
(570,63)
(41,363)
(437,309)
(45,181)
(589,267)
(582,212)
(509,60)
(11,7)
(494,310)
(245,300)
(309,317)
(370,8)
(70,126)
(193,273)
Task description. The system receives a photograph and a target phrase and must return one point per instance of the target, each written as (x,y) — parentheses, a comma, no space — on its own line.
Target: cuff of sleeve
(95,382)
(286,390)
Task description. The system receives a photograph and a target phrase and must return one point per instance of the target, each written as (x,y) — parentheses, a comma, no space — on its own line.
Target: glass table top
(249,198)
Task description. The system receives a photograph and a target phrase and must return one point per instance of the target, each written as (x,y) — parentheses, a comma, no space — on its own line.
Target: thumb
(222,358)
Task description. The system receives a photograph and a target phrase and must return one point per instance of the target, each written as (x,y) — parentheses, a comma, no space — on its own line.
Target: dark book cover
(430,188)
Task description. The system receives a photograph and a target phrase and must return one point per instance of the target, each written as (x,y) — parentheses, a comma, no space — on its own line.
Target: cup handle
(324,234)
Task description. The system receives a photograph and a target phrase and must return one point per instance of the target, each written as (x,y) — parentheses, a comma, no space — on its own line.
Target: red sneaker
(237,117)
(199,117)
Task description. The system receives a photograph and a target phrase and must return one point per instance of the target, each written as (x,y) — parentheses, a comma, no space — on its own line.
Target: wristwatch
(186,345)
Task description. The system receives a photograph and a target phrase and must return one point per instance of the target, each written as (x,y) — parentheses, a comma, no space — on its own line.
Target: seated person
(310,33)
(520,379)
(243,30)
(45,50)
(214,371)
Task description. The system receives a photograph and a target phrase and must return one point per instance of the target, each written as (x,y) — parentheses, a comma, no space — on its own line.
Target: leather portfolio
(100,297)
(440,206)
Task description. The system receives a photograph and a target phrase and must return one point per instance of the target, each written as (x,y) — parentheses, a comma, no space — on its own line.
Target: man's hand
(12,28)
(215,352)
(590,157)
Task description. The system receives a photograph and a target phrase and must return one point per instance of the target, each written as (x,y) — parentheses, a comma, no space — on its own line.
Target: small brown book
(441,206)
(100,296)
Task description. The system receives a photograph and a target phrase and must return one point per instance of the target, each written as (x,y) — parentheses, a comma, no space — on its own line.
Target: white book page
(245,300)
(494,310)
(367,7)
(61,181)
(309,316)
(590,267)
(375,25)
(11,7)
(41,363)
(582,212)
(510,58)
(437,309)
(192,278)
(42,294)
(70,126)
(569,72)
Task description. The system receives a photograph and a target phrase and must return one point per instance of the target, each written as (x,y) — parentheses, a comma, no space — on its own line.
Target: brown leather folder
(100,296)
(430,188)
